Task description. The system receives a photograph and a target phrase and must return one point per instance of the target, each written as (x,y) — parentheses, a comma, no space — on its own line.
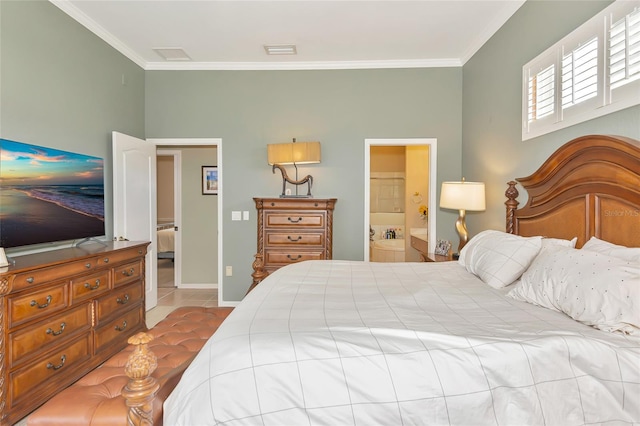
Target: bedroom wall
(340,108)
(62,86)
(492,148)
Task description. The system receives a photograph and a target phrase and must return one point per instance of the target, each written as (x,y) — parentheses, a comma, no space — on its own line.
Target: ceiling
(328,34)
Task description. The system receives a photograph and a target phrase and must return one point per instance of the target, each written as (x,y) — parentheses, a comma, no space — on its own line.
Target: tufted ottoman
(96,399)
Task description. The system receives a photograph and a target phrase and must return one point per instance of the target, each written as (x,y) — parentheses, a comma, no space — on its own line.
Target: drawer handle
(294,220)
(124,325)
(106,260)
(291,239)
(57,333)
(92,287)
(297,257)
(124,300)
(50,366)
(129,273)
(87,265)
(49,299)
(30,280)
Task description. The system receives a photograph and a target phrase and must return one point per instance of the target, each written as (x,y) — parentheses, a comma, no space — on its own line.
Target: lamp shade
(462,196)
(293,153)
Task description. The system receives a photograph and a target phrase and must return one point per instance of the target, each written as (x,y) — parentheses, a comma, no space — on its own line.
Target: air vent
(280,49)
(172,53)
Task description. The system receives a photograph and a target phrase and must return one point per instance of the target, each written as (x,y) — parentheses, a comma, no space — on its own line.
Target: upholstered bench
(97,398)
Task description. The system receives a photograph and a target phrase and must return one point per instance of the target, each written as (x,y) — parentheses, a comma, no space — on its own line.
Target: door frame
(177,210)
(433,160)
(217,142)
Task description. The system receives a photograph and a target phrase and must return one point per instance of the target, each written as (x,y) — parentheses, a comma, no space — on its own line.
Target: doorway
(181,242)
(396,196)
(169,200)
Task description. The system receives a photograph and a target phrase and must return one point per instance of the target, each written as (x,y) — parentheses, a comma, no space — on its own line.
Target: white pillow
(559,242)
(498,258)
(630,254)
(590,287)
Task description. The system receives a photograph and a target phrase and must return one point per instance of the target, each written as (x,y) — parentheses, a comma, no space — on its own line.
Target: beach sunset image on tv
(48,195)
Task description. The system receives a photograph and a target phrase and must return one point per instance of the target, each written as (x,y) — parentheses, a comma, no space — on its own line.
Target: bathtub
(388,250)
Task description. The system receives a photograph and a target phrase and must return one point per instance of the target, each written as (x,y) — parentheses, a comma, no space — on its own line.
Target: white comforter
(339,342)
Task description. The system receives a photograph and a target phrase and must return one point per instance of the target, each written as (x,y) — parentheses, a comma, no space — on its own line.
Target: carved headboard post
(512,204)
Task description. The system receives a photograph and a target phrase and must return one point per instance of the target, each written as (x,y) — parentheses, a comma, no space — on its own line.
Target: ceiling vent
(280,49)
(172,53)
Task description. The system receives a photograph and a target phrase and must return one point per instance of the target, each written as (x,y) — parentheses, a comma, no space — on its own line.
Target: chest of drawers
(64,312)
(291,230)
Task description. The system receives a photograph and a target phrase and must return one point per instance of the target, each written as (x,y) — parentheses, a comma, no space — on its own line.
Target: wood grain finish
(292,230)
(589,187)
(63,313)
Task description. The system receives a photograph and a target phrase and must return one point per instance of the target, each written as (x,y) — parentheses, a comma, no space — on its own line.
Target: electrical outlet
(245,215)
(229,271)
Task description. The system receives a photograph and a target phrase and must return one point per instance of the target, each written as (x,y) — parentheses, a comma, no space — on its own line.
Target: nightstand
(432,257)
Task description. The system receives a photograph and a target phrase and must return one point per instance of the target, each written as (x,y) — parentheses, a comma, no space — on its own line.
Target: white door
(134,201)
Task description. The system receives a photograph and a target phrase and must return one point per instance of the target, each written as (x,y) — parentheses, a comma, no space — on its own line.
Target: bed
(166,241)
(489,339)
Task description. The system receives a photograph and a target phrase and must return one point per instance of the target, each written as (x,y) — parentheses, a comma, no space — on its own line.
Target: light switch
(245,215)
(236,215)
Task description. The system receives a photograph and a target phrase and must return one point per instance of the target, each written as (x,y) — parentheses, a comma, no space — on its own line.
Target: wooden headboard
(589,187)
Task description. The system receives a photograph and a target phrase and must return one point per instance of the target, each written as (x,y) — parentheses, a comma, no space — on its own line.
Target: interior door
(134,201)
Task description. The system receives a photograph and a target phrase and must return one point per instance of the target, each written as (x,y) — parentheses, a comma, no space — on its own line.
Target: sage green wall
(199,220)
(340,108)
(61,86)
(492,149)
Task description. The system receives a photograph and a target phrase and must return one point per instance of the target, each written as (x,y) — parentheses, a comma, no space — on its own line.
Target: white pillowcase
(631,254)
(590,287)
(498,258)
(559,242)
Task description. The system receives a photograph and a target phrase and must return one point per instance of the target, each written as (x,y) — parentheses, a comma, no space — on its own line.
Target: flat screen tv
(48,195)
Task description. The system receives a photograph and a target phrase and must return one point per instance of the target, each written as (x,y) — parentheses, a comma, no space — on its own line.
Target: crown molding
(98,30)
(497,22)
(301,65)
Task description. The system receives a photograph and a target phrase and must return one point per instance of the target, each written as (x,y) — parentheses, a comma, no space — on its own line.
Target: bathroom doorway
(400,179)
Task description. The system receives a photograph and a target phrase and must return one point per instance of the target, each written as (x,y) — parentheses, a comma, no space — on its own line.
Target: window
(593,71)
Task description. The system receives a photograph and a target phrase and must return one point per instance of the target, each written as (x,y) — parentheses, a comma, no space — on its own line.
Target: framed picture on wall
(210,180)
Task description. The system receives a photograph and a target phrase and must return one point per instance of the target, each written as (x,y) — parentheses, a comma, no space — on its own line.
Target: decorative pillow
(498,258)
(590,287)
(559,242)
(631,254)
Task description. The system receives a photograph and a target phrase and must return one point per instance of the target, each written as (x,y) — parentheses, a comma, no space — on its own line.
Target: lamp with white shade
(462,196)
(280,154)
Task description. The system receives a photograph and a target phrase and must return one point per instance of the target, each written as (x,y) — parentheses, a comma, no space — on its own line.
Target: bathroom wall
(416,195)
(387,190)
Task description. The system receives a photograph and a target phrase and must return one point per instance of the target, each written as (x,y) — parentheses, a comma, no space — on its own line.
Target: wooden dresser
(291,230)
(64,312)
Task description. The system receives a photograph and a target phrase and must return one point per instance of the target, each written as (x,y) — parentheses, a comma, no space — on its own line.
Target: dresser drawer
(44,275)
(35,304)
(126,273)
(121,256)
(48,332)
(89,286)
(295,219)
(294,239)
(282,258)
(113,336)
(52,368)
(118,300)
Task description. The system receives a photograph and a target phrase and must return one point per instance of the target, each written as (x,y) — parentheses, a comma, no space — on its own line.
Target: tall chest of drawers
(64,312)
(291,230)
